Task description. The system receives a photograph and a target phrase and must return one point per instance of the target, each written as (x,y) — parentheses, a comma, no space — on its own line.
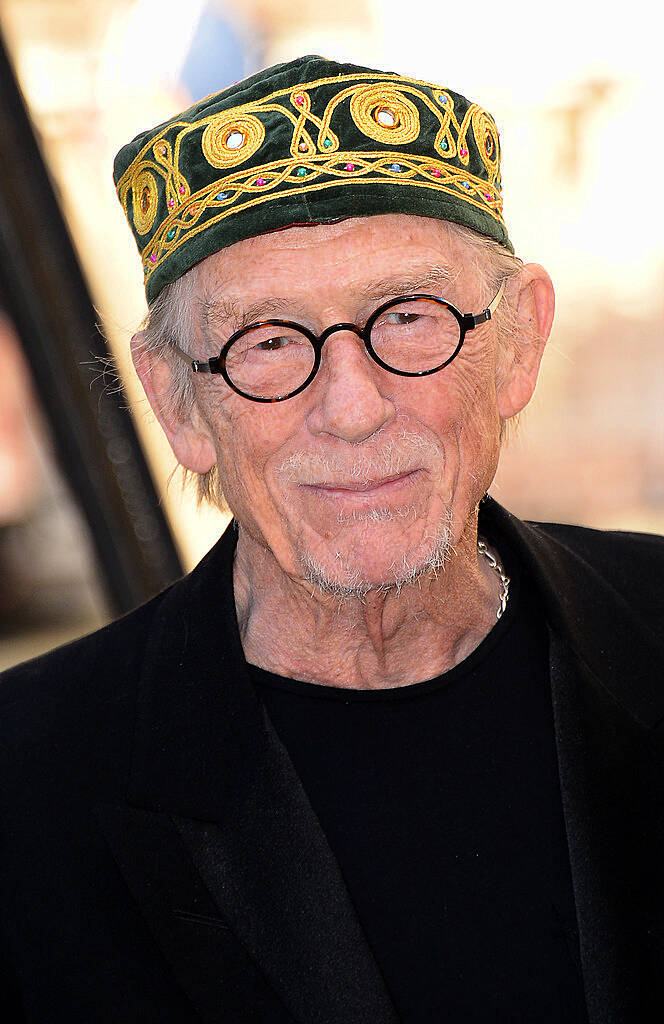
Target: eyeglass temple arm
(487,313)
(196,364)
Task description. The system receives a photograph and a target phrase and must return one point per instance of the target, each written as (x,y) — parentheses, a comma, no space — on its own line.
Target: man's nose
(352,403)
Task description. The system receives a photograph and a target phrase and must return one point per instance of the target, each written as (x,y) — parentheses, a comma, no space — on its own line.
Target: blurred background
(576,94)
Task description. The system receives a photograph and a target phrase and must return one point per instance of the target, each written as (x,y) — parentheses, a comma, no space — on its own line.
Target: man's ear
(187,433)
(535,304)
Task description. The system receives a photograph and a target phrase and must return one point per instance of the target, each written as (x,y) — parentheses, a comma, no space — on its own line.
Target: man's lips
(349,488)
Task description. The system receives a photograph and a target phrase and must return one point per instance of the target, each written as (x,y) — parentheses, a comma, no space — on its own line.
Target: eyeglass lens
(412,336)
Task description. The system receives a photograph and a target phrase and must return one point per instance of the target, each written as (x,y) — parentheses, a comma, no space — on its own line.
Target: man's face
(364,478)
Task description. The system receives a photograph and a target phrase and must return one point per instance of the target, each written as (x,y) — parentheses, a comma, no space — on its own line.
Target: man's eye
(401,318)
(272,344)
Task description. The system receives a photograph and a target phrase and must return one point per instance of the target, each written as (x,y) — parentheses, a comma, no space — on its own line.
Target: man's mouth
(378,487)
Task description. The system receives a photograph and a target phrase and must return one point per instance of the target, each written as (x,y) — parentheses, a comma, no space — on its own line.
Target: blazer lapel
(220,835)
(612,786)
(208,962)
(606,674)
(272,874)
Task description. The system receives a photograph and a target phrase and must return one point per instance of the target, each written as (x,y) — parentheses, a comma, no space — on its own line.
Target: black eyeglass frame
(467,322)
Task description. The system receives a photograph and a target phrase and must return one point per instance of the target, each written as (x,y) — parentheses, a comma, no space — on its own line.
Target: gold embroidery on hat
(463,151)
(241,190)
(326,140)
(177,186)
(445,141)
(486,137)
(231,138)
(162,152)
(185,127)
(371,100)
(145,196)
(383,110)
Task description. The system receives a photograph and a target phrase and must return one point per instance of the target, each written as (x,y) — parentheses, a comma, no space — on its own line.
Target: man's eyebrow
(230,314)
(414,282)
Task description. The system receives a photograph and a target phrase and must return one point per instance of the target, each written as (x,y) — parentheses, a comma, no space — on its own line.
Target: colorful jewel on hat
(386,117)
(235,140)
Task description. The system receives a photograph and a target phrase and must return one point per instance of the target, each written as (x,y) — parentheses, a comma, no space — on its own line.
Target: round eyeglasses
(412,336)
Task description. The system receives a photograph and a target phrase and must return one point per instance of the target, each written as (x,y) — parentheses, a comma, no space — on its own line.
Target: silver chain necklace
(504,580)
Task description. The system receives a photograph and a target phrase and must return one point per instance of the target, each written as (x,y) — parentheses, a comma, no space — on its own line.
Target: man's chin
(352,570)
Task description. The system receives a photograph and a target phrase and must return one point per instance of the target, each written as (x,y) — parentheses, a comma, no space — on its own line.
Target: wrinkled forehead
(362,256)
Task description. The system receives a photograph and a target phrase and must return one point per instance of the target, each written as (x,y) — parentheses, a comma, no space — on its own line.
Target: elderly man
(388,754)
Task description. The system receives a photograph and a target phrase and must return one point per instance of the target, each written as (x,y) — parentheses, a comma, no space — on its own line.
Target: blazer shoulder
(631,563)
(611,548)
(65,686)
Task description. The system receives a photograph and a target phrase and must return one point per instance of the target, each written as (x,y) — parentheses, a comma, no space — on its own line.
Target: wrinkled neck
(387,638)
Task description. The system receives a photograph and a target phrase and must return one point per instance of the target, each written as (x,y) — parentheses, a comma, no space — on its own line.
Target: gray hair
(171,317)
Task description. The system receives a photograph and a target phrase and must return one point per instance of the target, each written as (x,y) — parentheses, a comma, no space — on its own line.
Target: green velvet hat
(307,142)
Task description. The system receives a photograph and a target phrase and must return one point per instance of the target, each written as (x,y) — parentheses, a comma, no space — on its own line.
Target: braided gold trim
(369,168)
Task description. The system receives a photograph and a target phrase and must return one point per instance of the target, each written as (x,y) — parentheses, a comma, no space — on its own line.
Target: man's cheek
(251,488)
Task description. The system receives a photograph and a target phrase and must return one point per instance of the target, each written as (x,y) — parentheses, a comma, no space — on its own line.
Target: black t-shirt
(441,803)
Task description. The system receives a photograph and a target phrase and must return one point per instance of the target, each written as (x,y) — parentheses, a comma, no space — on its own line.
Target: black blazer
(161,862)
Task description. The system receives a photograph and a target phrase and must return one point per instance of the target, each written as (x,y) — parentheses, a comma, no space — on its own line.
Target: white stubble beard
(391,458)
(348,583)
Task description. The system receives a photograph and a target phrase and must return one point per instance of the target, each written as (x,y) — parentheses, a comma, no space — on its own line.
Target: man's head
(291,470)
(366,477)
